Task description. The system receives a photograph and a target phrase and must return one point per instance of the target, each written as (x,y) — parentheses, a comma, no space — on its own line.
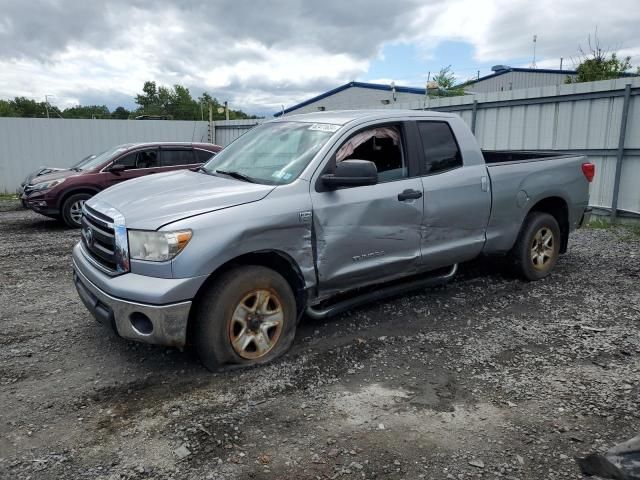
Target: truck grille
(99,239)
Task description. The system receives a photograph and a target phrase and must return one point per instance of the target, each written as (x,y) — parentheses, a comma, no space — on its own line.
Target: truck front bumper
(162,322)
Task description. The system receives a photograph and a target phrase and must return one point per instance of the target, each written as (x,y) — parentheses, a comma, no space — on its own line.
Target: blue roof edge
(371,86)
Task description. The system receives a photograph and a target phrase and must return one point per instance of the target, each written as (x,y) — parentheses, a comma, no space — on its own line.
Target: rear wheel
(247,317)
(538,246)
(72,209)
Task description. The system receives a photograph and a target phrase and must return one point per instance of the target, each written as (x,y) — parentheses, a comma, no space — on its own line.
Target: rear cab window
(441,151)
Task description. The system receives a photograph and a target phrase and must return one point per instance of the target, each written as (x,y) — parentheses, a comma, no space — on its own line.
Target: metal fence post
(474,113)
(620,153)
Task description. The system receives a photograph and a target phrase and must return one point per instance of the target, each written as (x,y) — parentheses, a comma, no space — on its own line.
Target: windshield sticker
(324,127)
(280,175)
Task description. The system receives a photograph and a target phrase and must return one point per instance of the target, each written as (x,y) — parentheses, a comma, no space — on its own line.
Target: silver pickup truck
(314,214)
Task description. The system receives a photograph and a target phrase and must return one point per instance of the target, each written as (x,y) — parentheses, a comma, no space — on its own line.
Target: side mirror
(352,173)
(117,168)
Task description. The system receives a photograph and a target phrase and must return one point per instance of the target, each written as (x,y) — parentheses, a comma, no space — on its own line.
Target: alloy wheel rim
(76,211)
(542,248)
(256,324)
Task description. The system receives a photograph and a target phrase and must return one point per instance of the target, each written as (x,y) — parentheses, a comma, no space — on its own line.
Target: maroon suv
(61,194)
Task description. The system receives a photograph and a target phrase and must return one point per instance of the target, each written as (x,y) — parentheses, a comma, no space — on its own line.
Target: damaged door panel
(366,234)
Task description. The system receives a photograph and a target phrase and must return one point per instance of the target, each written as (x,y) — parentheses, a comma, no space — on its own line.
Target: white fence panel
(226,131)
(28,143)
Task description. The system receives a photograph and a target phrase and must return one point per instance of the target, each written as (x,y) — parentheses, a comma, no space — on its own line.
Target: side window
(441,150)
(147,158)
(172,158)
(380,145)
(129,160)
(203,156)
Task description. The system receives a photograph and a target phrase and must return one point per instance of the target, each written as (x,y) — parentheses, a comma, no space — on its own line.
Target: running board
(382,293)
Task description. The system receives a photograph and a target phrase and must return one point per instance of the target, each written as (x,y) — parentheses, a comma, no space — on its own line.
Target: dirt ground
(489,377)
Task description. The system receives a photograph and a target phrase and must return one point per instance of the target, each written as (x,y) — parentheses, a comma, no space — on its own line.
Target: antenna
(535,39)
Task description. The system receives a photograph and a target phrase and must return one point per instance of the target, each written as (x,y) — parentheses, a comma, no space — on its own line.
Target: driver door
(369,234)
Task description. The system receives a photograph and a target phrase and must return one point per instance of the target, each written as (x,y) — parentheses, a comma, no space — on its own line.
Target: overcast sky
(260,55)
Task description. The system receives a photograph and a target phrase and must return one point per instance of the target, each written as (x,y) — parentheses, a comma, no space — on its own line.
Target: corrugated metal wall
(28,143)
(356,98)
(517,81)
(226,131)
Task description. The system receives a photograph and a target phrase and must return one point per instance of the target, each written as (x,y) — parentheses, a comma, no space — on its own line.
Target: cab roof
(342,117)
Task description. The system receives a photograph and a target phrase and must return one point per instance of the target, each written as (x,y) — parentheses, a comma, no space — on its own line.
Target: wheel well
(277,261)
(74,192)
(556,207)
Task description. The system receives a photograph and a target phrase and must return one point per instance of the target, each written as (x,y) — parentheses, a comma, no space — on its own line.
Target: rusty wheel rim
(542,248)
(256,324)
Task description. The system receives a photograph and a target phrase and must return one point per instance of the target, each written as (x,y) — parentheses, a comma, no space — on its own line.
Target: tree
(88,111)
(176,102)
(7,109)
(120,113)
(447,87)
(169,102)
(27,107)
(598,64)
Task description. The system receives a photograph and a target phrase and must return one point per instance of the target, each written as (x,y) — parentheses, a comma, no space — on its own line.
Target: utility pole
(226,110)
(46,104)
(535,39)
(210,130)
(561,63)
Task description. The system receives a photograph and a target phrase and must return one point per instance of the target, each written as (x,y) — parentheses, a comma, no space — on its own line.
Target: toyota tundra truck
(313,215)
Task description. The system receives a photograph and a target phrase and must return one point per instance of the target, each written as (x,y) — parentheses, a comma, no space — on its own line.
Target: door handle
(409,194)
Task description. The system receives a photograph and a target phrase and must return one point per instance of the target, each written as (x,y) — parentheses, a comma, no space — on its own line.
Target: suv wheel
(72,209)
(538,246)
(247,317)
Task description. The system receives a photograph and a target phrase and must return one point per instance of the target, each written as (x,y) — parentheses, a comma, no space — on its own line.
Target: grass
(9,196)
(632,228)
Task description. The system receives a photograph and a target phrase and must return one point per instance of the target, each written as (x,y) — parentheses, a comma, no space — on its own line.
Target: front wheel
(72,209)
(538,246)
(246,317)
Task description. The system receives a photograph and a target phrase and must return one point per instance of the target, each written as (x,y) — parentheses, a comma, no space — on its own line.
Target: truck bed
(519,179)
(493,157)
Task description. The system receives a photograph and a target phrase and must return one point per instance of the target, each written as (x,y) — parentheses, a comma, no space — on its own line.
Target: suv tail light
(589,171)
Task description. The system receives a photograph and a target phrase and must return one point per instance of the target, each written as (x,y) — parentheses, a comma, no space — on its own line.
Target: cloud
(260,55)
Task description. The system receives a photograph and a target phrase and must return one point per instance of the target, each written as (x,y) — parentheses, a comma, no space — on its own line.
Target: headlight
(157,246)
(46,185)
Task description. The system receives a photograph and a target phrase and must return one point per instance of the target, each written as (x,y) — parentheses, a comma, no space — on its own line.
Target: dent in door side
(350,242)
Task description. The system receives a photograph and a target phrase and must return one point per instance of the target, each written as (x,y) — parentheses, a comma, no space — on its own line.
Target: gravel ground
(489,377)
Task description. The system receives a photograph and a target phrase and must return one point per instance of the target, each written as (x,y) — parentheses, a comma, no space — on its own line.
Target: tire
(236,318)
(538,246)
(69,212)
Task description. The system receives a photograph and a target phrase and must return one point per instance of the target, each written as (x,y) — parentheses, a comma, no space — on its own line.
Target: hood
(39,172)
(150,202)
(53,176)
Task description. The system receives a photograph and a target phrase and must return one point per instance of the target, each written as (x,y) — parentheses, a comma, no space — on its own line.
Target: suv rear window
(171,158)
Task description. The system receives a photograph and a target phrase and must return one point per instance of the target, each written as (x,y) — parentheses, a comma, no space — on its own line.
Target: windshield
(101,158)
(83,161)
(273,153)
